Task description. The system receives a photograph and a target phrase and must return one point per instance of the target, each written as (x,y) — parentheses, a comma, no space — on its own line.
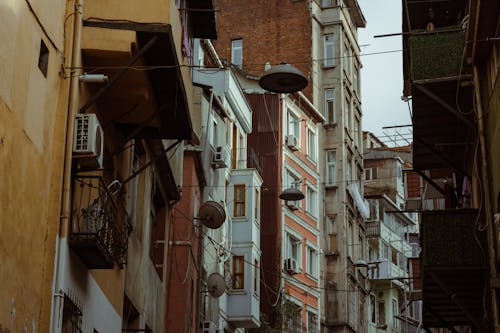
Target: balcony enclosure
(437,77)
(99,223)
(454,268)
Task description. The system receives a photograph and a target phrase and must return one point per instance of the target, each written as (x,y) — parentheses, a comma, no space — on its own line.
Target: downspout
(61,243)
(487,196)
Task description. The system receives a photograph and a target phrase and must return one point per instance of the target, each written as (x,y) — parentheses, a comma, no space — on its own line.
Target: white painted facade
(227,120)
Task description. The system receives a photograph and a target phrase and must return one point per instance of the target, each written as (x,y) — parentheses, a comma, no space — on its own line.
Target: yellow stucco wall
(32,130)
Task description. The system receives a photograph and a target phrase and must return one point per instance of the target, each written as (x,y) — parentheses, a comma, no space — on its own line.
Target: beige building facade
(95,104)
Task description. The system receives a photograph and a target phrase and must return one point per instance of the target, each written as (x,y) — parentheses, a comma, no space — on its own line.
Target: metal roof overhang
(453,268)
(202,19)
(149,103)
(443,134)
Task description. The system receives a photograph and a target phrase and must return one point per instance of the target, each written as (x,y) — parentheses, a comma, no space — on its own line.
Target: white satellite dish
(212,214)
(216,285)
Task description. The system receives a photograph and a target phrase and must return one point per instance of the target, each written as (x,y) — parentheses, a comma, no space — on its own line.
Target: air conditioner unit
(293,205)
(220,157)
(291,266)
(292,142)
(208,327)
(88,141)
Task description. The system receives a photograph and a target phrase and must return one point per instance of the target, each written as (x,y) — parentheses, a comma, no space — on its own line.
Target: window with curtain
(238,276)
(239,200)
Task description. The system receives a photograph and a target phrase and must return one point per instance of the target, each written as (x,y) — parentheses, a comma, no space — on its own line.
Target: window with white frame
(294,249)
(371,173)
(294,125)
(311,144)
(237,52)
(312,322)
(328,43)
(331,167)
(311,200)
(347,113)
(330,106)
(311,261)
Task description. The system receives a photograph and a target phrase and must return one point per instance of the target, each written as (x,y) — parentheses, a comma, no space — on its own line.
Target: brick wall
(272,31)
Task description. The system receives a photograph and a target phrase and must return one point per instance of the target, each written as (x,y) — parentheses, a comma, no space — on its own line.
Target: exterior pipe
(61,243)
(487,194)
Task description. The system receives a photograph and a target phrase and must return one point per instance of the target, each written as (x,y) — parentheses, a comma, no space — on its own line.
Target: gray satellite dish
(212,214)
(216,285)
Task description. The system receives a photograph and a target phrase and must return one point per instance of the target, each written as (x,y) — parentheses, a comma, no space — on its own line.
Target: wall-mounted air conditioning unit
(292,142)
(291,266)
(208,327)
(88,141)
(220,157)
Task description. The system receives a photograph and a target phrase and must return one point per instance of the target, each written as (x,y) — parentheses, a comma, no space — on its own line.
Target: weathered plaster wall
(32,131)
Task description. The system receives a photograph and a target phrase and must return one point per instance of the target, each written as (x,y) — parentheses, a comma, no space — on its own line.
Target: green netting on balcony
(452,238)
(436,55)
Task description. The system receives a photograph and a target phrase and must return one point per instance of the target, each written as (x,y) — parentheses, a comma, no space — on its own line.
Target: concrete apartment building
(92,166)
(388,231)
(319,38)
(285,142)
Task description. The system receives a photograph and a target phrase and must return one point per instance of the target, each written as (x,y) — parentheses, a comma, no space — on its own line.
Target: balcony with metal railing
(99,223)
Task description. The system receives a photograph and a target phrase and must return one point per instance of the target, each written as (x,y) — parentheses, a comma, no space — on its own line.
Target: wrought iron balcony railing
(99,223)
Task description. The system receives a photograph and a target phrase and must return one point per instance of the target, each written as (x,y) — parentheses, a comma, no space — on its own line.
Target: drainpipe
(61,243)
(487,197)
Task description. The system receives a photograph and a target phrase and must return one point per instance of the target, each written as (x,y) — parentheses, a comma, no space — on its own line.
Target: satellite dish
(212,214)
(216,285)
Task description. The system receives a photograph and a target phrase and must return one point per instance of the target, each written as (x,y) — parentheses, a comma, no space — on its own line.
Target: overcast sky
(381,75)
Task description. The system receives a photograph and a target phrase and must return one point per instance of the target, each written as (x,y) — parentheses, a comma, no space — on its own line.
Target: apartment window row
(293,139)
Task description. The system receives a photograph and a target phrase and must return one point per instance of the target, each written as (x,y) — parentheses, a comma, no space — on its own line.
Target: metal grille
(72,315)
(82,133)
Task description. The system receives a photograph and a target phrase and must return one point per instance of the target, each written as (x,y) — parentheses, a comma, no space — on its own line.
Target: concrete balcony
(153,103)
(383,269)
